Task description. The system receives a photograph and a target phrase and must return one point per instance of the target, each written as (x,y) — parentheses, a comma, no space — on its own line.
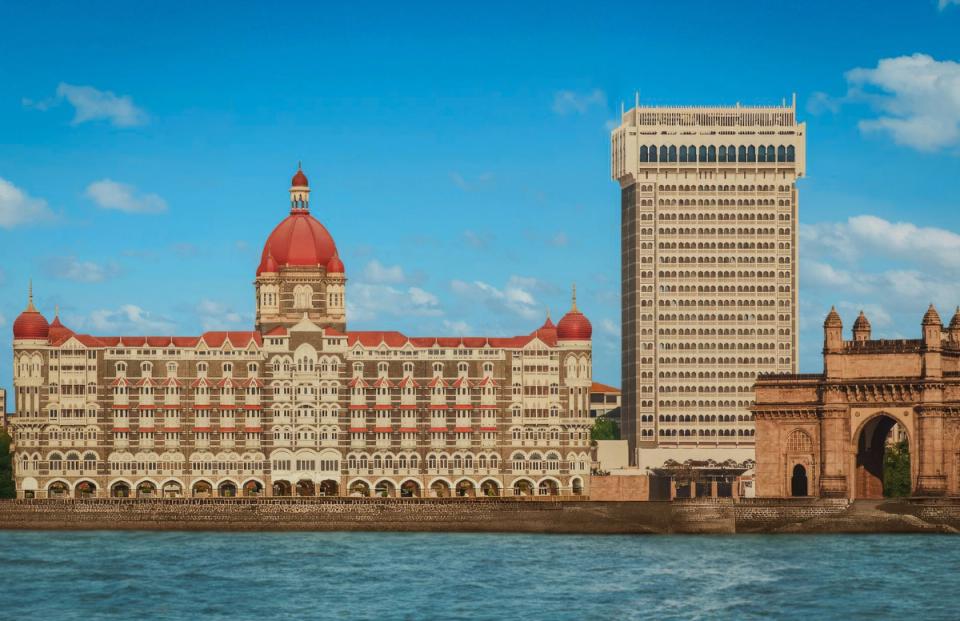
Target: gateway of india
(301,406)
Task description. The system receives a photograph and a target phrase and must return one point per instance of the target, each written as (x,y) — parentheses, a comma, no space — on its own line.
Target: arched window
(722,157)
(664,156)
(791,153)
(673,154)
(761,153)
(799,442)
(781,154)
(653,153)
(751,154)
(742,154)
(712,154)
(703,154)
(683,154)
(643,153)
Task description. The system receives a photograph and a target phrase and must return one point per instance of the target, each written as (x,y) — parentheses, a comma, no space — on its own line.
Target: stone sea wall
(707,516)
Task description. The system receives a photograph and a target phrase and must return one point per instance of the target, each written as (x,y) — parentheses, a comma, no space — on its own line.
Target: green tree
(604,429)
(896,470)
(7,488)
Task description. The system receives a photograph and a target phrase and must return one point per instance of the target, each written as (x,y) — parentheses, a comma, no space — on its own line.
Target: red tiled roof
(598,387)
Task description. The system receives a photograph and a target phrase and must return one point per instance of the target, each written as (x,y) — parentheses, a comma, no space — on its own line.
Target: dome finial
(573,297)
(30,306)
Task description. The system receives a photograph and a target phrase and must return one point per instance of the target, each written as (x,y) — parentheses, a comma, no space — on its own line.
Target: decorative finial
(56,310)
(574,297)
(30,306)
(548,313)
(299,165)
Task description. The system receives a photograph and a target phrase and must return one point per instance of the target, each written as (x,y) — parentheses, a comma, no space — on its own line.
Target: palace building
(827,434)
(709,210)
(300,405)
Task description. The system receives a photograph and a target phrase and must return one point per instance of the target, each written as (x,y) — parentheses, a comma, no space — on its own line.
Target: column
(932,480)
(834,452)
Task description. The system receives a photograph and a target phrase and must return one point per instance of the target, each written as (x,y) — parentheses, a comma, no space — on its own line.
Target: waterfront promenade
(703,516)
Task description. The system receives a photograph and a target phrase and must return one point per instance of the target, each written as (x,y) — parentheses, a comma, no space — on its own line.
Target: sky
(458,154)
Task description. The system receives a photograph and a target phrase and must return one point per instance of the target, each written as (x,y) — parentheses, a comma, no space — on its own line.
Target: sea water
(263,576)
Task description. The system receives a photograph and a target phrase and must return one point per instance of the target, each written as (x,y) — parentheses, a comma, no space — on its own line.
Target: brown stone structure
(825,434)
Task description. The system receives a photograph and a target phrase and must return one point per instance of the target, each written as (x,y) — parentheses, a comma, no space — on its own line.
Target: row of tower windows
(721,154)
(718,188)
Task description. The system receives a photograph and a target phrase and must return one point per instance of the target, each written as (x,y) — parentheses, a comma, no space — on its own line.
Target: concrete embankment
(487,515)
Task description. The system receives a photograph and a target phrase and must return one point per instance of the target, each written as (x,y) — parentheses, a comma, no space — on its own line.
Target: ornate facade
(826,434)
(709,210)
(301,405)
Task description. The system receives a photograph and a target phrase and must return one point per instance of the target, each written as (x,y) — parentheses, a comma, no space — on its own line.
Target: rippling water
(261,576)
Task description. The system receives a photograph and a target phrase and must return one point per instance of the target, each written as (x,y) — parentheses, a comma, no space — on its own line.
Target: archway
(384,489)
(360,488)
(227,489)
(252,488)
(798,482)
(577,486)
(548,487)
(440,489)
(146,489)
(85,489)
(306,488)
(409,489)
(490,488)
(202,489)
(876,445)
(58,489)
(282,488)
(329,488)
(120,489)
(522,488)
(465,488)
(171,489)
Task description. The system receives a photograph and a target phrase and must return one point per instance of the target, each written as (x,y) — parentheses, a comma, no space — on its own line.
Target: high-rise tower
(709,270)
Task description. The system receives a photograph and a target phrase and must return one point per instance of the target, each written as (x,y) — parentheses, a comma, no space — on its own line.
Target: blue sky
(458,155)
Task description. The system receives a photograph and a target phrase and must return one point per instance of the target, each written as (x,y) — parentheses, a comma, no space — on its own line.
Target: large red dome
(574,326)
(299,240)
(30,324)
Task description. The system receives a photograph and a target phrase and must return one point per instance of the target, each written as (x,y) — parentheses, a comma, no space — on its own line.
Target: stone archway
(873,442)
(409,489)
(799,484)
(329,488)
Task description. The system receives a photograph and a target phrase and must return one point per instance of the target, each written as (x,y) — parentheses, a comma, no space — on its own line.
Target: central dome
(300,240)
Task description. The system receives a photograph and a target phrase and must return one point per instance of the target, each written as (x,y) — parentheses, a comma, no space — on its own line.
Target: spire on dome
(30,306)
(299,192)
(955,322)
(574,297)
(833,318)
(931,317)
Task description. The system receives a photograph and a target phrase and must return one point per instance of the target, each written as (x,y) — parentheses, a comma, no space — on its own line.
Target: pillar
(932,480)
(834,452)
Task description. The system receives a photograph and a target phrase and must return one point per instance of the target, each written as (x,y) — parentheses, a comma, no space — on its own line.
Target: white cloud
(378,273)
(367,302)
(945,3)
(568,102)
(456,328)
(17,207)
(917,98)
(517,297)
(217,316)
(860,235)
(72,268)
(108,194)
(126,319)
(91,104)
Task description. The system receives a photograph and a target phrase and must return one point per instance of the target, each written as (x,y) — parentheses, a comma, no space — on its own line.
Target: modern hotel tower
(709,272)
